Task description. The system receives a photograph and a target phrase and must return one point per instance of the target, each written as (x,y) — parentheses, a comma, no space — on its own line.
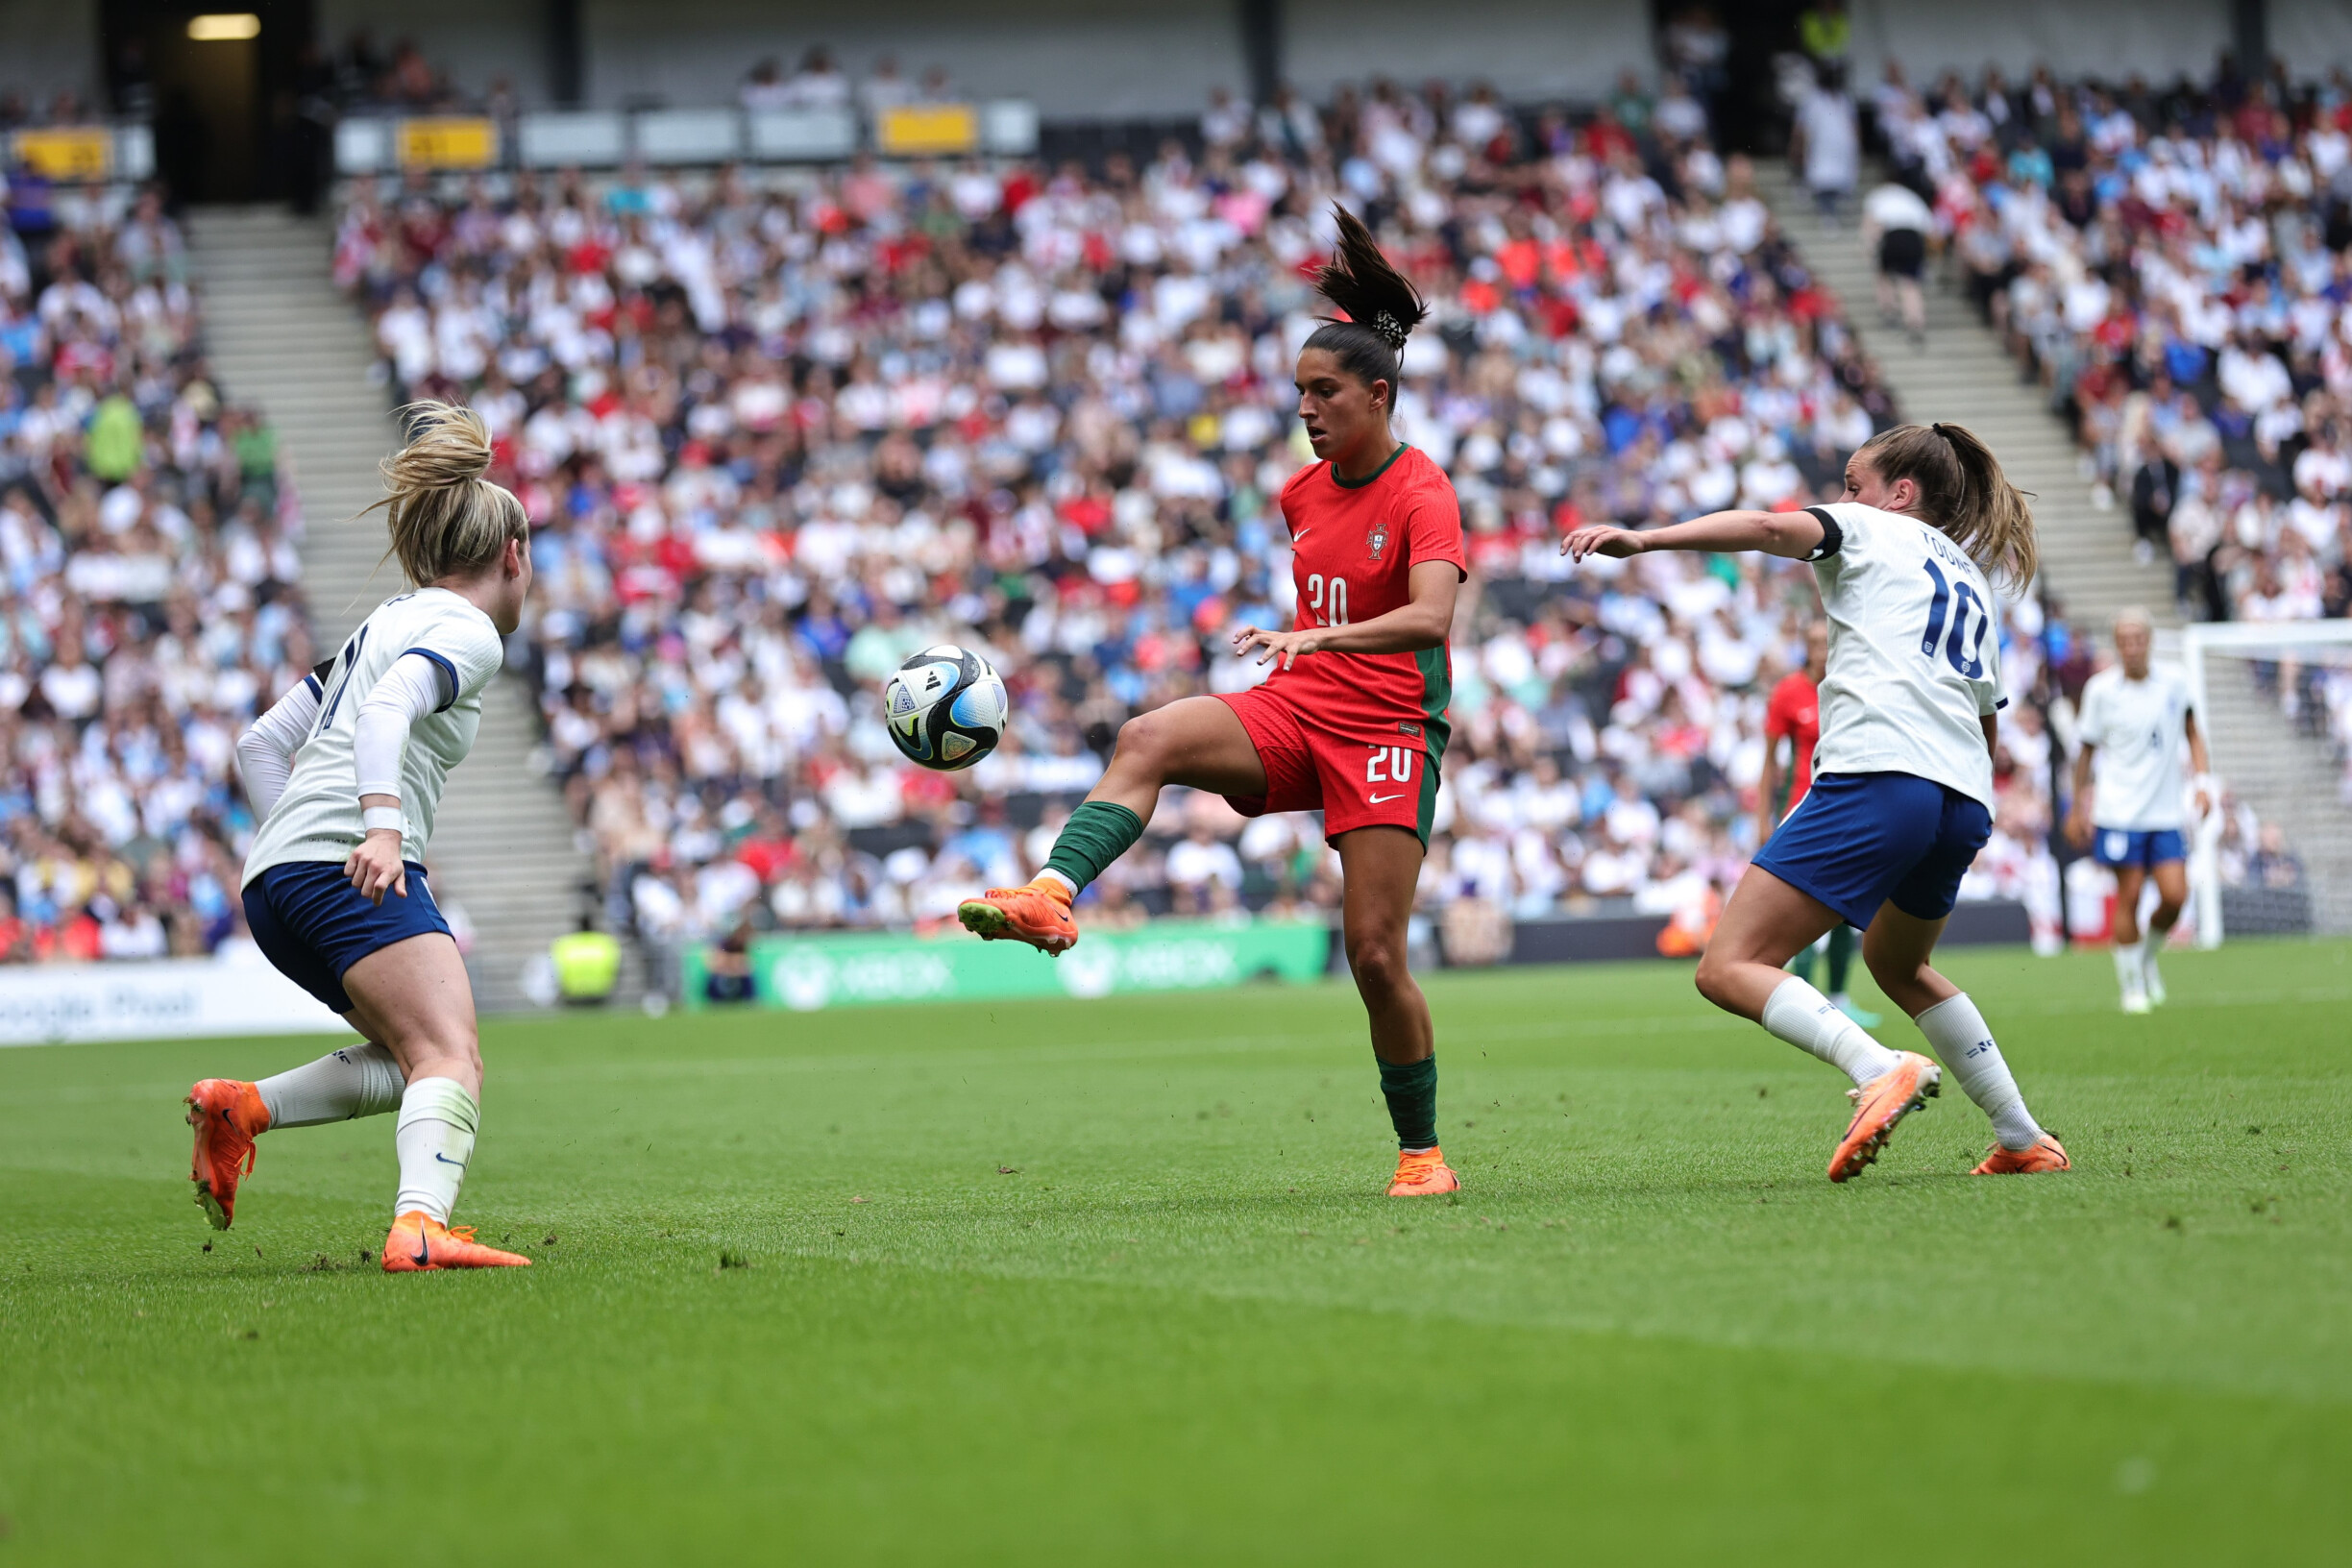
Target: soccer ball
(947,708)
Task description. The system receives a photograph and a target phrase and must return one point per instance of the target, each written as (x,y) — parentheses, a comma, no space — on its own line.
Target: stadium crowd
(2174,268)
(149,595)
(779,431)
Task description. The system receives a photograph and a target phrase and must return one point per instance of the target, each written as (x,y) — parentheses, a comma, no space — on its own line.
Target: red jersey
(1353,550)
(1794,715)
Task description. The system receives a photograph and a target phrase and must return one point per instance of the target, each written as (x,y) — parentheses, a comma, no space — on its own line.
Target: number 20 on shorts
(1389,764)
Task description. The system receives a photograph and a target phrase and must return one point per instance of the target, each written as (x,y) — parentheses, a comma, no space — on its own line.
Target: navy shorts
(1859,841)
(2145,847)
(311,922)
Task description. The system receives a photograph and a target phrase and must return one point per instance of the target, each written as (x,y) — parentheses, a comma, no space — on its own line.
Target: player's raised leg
(227,1114)
(1379,867)
(1896,947)
(1766,922)
(1197,741)
(416,996)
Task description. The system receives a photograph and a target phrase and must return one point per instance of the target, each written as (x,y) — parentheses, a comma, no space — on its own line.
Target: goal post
(2275,703)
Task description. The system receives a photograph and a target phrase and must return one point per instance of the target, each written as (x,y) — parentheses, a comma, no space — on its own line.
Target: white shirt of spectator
(1893,206)
(1914,653)
(2139,727)
(318,816)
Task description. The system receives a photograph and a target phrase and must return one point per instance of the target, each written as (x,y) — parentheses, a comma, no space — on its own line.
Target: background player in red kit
(1794,715)
(1351,720)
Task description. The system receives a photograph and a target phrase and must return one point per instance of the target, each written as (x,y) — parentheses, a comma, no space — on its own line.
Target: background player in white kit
(1902,789)
(2134,716)
(346,773)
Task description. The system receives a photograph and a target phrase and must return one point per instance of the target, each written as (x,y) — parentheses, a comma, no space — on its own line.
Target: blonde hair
(1963,493)
(446,518)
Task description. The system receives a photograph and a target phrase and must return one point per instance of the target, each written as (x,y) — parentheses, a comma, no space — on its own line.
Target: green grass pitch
(1113,1281)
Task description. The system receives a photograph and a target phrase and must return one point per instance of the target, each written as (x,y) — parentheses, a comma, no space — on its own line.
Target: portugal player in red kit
(1351,720)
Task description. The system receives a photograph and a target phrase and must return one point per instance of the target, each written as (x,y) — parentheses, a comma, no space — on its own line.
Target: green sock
(1412,1092)
(1097,833)
(1841,957)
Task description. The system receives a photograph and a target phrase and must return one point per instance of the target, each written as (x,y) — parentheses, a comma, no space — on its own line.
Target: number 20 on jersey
(1327,599)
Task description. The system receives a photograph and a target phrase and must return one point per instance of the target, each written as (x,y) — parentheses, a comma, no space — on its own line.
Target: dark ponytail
(1382,305)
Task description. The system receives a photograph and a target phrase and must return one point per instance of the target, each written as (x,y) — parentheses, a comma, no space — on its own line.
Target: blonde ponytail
(446,518)
(1964,494)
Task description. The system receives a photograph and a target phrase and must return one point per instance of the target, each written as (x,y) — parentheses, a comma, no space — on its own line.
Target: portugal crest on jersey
(1377,540)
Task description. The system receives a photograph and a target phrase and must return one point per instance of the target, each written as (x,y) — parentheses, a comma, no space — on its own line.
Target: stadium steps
(280,336)
(2288,778)
(1964,375)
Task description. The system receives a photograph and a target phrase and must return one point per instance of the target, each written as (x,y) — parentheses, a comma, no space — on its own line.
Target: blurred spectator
(149,599)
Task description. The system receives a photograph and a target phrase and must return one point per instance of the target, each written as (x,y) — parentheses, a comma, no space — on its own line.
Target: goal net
(2275,703)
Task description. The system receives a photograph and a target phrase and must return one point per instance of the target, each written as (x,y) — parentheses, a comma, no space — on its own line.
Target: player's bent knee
(1142,743)
(1713,980)
(1378,962)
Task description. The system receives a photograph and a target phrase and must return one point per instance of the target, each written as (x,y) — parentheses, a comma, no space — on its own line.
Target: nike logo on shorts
(1376,799)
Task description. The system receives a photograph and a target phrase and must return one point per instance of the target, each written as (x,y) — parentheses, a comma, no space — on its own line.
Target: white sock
(1059,877)
(1806,1019)
(2128,958)
(1957,1033)
(355,1080)
(436,1141)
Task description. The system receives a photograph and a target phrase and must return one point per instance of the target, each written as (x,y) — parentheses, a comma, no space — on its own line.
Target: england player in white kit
(2134,716)
(1902,777)
(346,773)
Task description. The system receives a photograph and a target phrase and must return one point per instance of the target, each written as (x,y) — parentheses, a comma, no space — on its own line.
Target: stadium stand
(2170,269)
(152,596)
(780,430)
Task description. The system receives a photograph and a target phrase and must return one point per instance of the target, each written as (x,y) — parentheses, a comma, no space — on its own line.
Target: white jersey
(318,816)
(2141,728)
(1914,653)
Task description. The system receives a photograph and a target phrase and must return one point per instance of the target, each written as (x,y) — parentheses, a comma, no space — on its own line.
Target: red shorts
(1353,783)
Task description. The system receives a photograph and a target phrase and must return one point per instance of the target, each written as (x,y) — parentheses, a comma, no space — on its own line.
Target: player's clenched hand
(1286,645)
(1601,539)
(376,866)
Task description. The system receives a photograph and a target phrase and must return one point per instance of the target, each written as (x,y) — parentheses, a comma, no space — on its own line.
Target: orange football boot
(417,1244)
(1038,914)
(1423,1173)
(1878,1105)
(2046,1154)
(227,1116)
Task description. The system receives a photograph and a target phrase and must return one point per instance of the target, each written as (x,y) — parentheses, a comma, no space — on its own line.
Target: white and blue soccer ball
(945,707)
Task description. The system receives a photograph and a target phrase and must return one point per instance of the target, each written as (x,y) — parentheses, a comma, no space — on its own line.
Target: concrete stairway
(1963,374)
(2289,778)
(280,335)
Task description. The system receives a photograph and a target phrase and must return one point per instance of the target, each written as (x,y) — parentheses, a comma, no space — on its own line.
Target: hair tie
(1391,331)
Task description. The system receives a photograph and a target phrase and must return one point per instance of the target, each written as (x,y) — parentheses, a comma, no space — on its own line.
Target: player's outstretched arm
(1791,535)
